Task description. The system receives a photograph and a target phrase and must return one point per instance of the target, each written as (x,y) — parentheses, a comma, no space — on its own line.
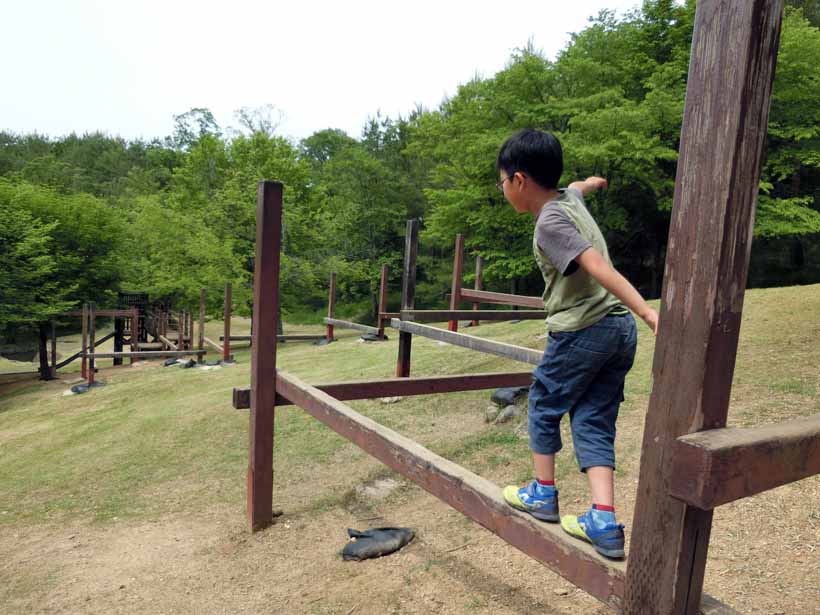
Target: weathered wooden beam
(485,296)
(346,324)
(135,330)
(408,295)
(213,345)
(468,493)
(714,467)
(734,49)
(446,315)
(331,305)
(226,316)
(382,301)
(501,349)
(458,272)
(101,313)
(144,354)
(263,353)
(201,340)
(296,337)
(478,285)
(389,315)
(84,345)
(168,342)
(92,328)
(405,387)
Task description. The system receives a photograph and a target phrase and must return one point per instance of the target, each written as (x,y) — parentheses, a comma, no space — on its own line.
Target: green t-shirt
(573,299)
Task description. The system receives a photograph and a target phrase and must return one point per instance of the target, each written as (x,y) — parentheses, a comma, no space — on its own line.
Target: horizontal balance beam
(509,351)
(445,315)
(484,296)
(468,493)
(718,466)
(370,389)
(346,324)
(145,354)
(102,313)
(291,337)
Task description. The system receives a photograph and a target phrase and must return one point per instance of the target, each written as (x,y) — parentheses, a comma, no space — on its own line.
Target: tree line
(82,217)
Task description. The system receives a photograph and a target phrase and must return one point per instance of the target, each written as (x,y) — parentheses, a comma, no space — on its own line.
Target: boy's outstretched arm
(595,265)
(590,185)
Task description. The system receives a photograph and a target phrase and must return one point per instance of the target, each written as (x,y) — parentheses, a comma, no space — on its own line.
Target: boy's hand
(650,317)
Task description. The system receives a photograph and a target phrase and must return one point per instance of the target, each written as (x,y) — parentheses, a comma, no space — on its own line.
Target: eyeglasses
(500,185)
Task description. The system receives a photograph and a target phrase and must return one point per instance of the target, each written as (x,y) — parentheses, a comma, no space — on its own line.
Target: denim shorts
(582,373)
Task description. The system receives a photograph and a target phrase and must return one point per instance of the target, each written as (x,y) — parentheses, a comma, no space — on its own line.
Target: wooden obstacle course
(382,317)
(735,43)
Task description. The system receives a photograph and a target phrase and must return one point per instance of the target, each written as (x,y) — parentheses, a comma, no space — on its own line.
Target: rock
(322,342)
(169,362)
(508,413)
(188,364)
(508,395)
(560,591)
(491,413)
(371,337)
(390,400)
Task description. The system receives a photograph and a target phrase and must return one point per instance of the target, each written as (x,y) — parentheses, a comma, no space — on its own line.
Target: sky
(127,67)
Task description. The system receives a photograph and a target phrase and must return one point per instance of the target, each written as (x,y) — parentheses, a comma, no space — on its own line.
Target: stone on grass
(508,395)
(390,400)
(491,413)
(508,413)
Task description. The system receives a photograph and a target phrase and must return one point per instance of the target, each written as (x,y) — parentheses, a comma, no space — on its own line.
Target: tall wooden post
(331,305)
(84,347)
(727,105)
(382,301)
(201,341)
(42,334)
(458,270)
(119,327)
(408,294)
(92,328)
(226,345)
(263,353)
(53,348)
(135,332)
(479,284)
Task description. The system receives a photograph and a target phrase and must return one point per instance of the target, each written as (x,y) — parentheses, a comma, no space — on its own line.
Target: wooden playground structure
(382,317)
(690,461)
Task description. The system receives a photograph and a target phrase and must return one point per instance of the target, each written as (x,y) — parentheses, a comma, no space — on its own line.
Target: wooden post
(734,50)
(45,370)
(92,328)
(201,341)
(458,269)
(53,348)
(479,283)
(84,348)
(331,305)
(119,326)
(226,346)
(408,294)
(382,301)
(263,353)
(135,332)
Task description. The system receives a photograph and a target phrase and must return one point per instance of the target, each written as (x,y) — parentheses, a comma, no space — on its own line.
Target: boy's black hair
(535,153)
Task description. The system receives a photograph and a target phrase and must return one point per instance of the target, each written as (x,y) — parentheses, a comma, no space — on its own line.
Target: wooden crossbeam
(145,354)
(346,324)
(390,387)
(79,354)
(718,466)
(509,351)
(485,296)
(291,337)
(446,315)
(213,344)
(468,493)
(101,313)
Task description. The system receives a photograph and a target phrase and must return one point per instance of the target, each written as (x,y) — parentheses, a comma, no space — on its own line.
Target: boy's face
(511,187)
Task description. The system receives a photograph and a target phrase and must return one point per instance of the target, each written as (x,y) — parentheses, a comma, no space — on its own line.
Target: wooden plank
(484,296)
(444,315)
(135,331)
(168,342)
(458,274)
(479,282)
(227,312)
(331,305)
(389,315)
(714,467)
(84,345)
(408,295)
(468,493)
(424,385)
(296,337)
(81,353)
(734,49)
(501,349)
(53,349)
(263,353)
(144,354)
(201,341)
(92,328)
(346,324)
(101,313)
(382,301)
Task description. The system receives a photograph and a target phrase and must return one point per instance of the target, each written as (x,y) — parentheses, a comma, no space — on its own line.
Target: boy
(591,337)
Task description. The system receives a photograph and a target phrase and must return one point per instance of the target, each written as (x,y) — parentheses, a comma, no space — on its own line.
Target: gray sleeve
(559,239)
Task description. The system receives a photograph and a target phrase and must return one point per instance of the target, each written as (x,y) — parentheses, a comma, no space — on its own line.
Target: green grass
(159,440)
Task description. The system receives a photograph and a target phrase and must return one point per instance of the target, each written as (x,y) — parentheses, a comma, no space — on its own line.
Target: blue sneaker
(607,540)
(531,499)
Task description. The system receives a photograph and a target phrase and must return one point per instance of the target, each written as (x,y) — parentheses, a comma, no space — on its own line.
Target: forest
(85,216)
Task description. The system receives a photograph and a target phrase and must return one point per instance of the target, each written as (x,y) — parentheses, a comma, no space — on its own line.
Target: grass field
(130,498)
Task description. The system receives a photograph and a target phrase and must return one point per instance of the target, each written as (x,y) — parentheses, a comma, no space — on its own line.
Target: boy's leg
(544,466)
(602,485)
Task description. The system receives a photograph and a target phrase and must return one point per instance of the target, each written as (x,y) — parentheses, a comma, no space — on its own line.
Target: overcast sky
(126,67)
